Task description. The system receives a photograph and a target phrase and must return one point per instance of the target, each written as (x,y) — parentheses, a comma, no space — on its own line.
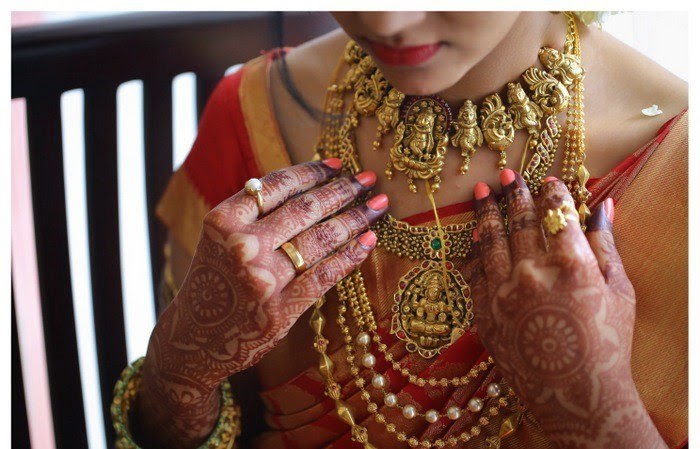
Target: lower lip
(406,56)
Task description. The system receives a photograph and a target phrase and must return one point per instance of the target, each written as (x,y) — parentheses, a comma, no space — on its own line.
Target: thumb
(599,231)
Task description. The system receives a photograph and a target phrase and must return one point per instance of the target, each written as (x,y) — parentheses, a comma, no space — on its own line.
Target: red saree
(238,139)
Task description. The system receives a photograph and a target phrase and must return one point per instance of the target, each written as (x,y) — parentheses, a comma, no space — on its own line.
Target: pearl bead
(363,339)
(378,381)
(409,411)
(453,413)
(493,390)
(368,360)
(390,400)
(431,416)
(475,405)
(253,185)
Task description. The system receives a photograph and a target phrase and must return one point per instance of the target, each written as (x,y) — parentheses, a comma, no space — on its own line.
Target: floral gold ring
(253,187)
(294,256)
(556,219)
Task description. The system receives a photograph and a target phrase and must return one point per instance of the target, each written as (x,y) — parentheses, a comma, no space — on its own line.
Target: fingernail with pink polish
(379,202)
(507,177)
(368,240)
(475,235)
(609,205)
(366,178)
(481,191)
(334,163)
(550,178)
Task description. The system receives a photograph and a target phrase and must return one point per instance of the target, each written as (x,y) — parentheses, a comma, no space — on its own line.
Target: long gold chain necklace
(432,298)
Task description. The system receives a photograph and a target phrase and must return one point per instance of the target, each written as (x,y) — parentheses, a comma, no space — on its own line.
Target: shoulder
(309,68)
(631,77)
(620,82)
(312,63)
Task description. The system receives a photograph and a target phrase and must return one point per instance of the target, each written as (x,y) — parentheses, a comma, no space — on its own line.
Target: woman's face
(423,53)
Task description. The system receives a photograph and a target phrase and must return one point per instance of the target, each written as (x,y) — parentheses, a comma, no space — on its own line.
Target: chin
(416,82)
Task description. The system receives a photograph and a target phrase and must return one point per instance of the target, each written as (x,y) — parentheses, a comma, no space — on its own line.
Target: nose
(387,24)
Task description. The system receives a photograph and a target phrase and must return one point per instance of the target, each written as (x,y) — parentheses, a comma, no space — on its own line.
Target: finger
(320,240)
(314,283)
(307,209)
(493,241)
(524,228)
(280,185)
(556,209)
(600,237)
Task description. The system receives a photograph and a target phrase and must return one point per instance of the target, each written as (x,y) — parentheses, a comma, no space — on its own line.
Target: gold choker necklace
(424,125)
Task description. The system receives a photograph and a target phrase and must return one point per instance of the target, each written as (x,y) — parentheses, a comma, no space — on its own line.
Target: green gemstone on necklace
(436,244)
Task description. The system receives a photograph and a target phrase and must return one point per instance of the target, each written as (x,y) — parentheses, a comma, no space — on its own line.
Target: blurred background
(105,105)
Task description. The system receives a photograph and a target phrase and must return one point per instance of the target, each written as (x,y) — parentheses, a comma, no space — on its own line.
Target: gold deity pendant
(432,308)
(467,134)
(497,126)
(420,141)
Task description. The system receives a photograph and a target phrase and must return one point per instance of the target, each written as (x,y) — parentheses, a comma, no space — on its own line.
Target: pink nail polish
(368,239)
(334,163)
(475,235)
(481,191)
(378,202)
(550,178)
(367,178)
(609,205)
(507,176)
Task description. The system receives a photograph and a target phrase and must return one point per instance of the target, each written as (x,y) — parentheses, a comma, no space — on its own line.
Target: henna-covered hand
(557,315)
(242,295)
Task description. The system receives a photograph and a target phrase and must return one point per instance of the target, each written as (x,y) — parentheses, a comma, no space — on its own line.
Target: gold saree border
(182,210)
(266,140)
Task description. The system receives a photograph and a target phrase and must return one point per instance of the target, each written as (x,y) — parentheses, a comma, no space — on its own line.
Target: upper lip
(405,55)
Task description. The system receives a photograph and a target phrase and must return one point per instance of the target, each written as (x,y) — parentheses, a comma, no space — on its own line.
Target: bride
(482,254)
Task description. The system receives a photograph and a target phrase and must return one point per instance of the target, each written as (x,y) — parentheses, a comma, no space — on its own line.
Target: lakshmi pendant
(432,308)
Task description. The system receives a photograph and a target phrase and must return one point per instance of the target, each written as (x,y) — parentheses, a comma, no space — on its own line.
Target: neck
(509,59)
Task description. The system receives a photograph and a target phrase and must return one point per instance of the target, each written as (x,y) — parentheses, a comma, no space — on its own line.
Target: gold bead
(326,366)
(344,413)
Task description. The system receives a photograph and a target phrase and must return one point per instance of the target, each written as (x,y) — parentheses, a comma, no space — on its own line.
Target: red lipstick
(406,56)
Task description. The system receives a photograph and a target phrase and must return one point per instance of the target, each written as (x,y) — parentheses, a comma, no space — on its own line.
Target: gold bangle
(228,425)
(295,256)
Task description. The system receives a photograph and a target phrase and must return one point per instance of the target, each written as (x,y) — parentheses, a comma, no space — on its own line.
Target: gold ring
(253,187)
(294,256)
(555,219)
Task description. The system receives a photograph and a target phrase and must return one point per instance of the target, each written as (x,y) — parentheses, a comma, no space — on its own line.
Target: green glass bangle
(228,426)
